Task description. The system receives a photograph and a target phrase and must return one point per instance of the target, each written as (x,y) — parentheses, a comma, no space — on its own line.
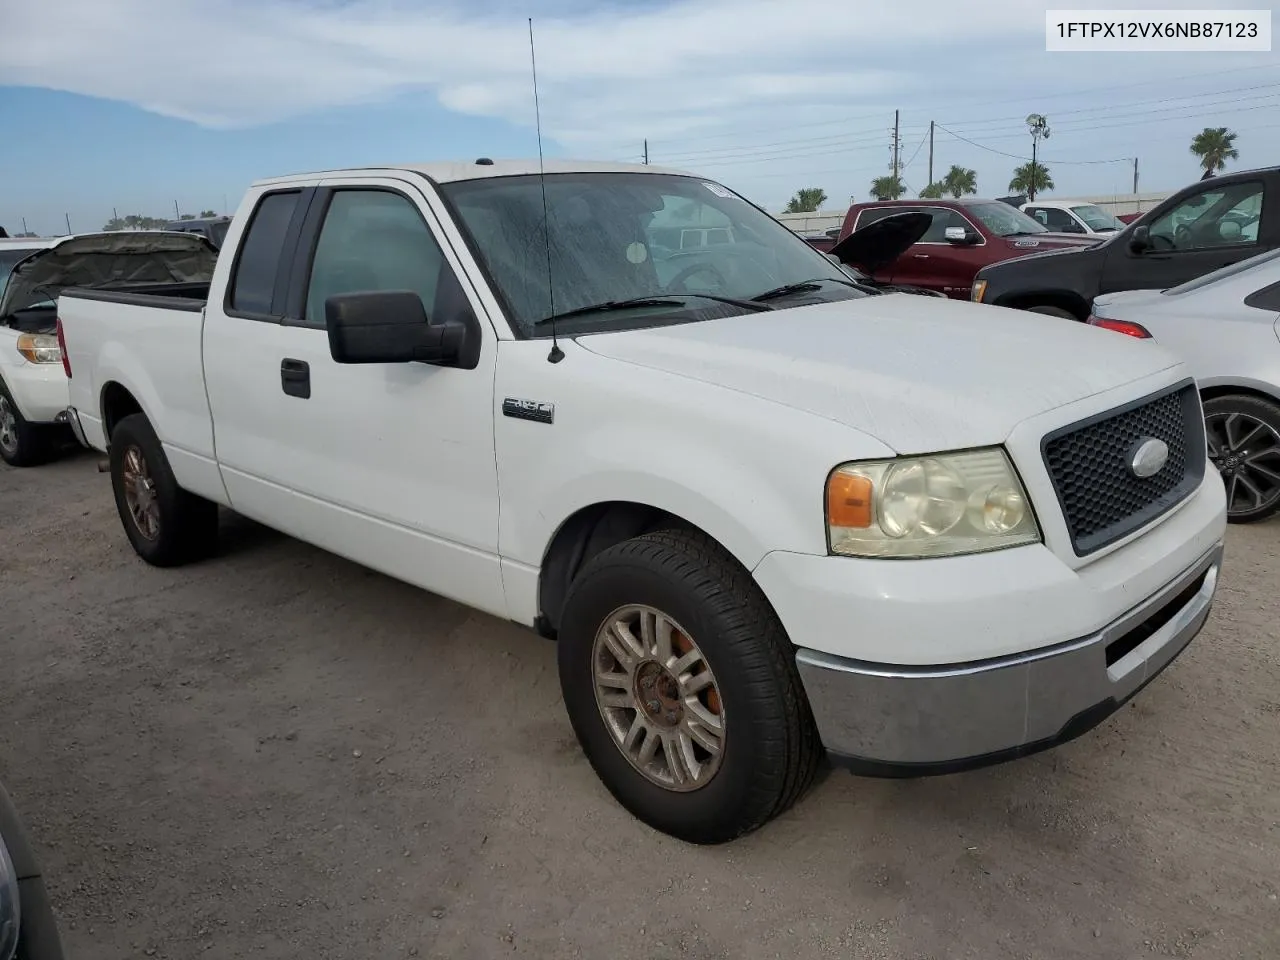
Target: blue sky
(136,104)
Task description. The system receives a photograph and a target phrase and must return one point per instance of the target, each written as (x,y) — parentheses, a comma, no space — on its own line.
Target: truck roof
(452,171)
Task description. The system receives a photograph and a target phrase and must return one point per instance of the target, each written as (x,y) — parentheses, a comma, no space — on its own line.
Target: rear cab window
(256,275)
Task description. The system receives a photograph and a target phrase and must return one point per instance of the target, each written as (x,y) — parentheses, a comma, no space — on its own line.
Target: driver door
(1211,228)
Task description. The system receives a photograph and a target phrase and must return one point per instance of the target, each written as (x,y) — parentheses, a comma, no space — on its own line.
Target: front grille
(1102,499)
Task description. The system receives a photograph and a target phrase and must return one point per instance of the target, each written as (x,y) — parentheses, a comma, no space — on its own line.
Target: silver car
(1226,324)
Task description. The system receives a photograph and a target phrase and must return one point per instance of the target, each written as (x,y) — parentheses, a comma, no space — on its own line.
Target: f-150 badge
(534,410)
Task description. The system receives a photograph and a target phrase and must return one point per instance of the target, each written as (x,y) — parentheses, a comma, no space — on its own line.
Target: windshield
(1004,220)
(622,236)
(1096,218)
(9,258)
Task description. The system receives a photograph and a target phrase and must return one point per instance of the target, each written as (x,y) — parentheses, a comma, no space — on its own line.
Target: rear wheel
(681,687)
(166,525)
(1243,434)
(22,444)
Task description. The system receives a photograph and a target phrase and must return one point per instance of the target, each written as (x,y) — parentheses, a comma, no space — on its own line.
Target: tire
(1244,444)
(1054,312)
(22,444)
(770,751)
(185,526)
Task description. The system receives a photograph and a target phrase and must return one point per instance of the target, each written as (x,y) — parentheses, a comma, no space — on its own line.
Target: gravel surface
(278,754)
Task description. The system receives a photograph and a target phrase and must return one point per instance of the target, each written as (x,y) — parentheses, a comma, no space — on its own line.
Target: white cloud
(687,70)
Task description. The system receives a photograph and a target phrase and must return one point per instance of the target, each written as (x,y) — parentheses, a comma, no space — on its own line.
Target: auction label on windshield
(1155,31)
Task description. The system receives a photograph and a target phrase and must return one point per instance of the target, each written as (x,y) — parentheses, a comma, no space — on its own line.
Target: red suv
(964,236)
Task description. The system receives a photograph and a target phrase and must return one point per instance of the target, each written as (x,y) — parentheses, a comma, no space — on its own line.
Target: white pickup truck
(767,514)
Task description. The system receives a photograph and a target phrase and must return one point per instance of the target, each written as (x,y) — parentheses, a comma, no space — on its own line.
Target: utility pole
(930,153)
(895,145)
(176,214)
(25,231)
(1038,126)
(68,216)
(114,214)
(1135,176)
(646,152)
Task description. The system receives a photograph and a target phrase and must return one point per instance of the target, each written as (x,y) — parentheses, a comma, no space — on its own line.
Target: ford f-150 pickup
(765,515)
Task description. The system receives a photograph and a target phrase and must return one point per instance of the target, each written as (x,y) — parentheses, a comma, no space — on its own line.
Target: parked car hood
(919,375)
(875,246)
(105,260)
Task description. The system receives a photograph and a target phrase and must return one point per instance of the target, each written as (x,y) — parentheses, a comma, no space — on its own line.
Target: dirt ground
(278,754)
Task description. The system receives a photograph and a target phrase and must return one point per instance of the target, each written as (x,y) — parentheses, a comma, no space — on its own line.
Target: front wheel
(22,444)
(166,525)
(1054,312)
(1243,434)
(681,687)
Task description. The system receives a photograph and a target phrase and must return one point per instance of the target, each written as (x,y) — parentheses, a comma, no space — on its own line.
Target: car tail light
(62,348)
(1129,329)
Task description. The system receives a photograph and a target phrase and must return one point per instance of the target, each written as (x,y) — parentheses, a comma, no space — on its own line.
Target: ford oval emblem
(1148,458)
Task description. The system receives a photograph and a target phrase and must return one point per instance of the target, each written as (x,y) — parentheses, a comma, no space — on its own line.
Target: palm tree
(888,188)
(960,181)
(807,200)
(1214,146)
(933,191)
(1021,182)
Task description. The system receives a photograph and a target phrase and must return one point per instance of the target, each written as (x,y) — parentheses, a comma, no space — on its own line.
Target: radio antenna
(556,354)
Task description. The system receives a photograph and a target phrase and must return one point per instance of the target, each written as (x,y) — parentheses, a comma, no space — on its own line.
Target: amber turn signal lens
(848,501)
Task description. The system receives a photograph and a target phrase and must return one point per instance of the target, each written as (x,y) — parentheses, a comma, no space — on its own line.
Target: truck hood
(106,260)
(878,244)
(920,375)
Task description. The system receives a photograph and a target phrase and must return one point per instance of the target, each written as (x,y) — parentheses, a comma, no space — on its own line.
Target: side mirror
(960,235)
(388,326)
(1140,239)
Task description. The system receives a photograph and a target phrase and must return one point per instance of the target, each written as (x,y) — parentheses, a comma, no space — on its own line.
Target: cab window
(1218,216)
(373,240)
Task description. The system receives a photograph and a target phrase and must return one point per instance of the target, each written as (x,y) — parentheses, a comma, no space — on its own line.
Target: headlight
(9,913)
(978,290)
(934,506)
(39,348)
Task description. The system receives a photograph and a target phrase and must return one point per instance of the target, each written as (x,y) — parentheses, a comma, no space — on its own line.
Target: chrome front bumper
(913,721)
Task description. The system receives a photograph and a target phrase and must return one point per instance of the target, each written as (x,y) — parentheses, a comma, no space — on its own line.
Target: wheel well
(585,534)
(1230,390)
(1071,302)
(117,403)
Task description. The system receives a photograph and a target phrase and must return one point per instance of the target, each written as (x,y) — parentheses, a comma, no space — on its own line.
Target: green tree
(187,216)
(134,221)
(1021,182)
(933,191)
(1214,146)
(888,188)
(204,214)
(960,181)
(807,200)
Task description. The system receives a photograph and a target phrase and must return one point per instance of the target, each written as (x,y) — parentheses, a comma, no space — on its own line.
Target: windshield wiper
(802,287)
(670,300)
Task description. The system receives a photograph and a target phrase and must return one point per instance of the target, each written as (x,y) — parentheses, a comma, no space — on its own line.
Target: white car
(764,513)
(1066,216)
(33,384)
(1226,325)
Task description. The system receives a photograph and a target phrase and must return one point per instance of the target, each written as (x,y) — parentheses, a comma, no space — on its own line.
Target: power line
(857,138)
(1015,156)
(1107,89)
(917,150)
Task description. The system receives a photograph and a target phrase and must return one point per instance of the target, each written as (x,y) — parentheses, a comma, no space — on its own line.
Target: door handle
(295,378)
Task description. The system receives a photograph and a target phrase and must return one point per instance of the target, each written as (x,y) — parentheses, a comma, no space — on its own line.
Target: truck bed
(173,296)
(148,336)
